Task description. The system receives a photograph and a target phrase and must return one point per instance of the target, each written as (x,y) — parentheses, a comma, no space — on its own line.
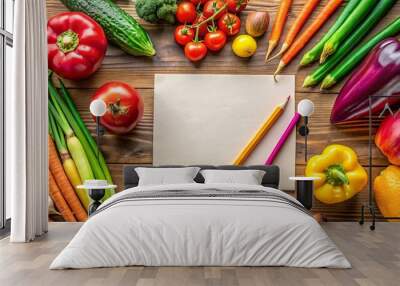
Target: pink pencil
(282,140)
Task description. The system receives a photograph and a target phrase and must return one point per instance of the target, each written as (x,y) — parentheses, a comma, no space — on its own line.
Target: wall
(136,148)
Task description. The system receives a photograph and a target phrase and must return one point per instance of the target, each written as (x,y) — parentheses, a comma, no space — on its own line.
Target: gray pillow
(247,177)
(165,176)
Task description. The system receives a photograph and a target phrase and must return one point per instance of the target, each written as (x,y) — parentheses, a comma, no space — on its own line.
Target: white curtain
(26,123)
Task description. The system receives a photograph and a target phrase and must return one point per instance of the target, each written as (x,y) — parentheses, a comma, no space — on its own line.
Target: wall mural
(101,87)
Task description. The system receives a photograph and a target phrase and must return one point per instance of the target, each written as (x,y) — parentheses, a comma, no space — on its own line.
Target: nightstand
(304,190)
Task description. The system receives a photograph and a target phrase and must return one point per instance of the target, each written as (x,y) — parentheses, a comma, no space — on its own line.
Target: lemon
(244,46)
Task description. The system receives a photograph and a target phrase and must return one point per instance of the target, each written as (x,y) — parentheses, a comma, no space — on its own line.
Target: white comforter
(200,231)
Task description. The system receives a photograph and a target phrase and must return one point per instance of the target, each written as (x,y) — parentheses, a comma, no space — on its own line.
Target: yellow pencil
(251,145)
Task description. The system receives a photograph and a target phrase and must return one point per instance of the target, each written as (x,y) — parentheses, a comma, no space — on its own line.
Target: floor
(375,256)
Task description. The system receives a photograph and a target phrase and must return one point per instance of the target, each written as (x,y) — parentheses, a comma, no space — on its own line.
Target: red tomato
(197,2)
(212,6)
(195,51)
(124,106)
(215,40)
(186,12)
(76,45)
(203,28)
(184,35)
(236,6)
(229,24)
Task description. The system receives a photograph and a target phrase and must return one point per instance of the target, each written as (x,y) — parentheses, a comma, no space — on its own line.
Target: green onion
(63,117)
(50,126)
(314,53)
(350,62)
(53,130)
(91,154)
(377,14)
(351,23)
(74,145)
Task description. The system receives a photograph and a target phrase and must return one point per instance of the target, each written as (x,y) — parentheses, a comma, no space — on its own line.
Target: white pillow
(248,177)
(165,176)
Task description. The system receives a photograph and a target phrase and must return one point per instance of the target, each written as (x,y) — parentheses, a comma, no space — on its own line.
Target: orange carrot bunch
(306,36)
(61,190)
(277,28)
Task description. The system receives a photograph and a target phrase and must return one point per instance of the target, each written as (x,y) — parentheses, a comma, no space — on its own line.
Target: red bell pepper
(378,75)
(387,138)
(76,45)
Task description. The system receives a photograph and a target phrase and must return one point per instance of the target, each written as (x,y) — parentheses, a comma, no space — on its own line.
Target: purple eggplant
(378,75)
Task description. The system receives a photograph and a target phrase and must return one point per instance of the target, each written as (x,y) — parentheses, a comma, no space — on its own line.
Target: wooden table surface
(136,147)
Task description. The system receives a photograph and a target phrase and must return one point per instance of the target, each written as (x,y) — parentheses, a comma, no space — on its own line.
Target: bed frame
(270,179)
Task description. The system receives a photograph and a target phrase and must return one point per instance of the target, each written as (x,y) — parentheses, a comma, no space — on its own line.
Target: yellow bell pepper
(340,175)
(387,191)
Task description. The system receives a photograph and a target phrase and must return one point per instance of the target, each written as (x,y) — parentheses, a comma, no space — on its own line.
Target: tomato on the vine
(186,12)
(197,2)
(212,6)
(229,24)
(195,51)
(236,6)
(203,28)
(184,35)
(215,40)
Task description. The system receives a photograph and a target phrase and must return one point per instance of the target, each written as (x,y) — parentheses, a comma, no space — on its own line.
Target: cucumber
(120,28)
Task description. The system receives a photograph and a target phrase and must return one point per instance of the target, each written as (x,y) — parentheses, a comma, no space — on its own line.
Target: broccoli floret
(155,11)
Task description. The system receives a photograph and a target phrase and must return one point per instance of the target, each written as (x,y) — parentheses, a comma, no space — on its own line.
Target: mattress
(201,225)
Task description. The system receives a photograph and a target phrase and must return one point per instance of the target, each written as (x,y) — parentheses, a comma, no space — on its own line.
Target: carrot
(70,168)
(58,200)
(299,22)
(306,36)
(63,183)
(278,26)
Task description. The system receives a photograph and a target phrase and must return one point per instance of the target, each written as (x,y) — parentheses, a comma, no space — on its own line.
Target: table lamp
(98,108)
(96,188)
(305,108)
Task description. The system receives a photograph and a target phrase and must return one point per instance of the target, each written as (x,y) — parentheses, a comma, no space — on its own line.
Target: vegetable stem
(210,18)
(336,175)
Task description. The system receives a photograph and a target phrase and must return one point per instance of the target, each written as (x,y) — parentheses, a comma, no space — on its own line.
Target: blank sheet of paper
(208,119)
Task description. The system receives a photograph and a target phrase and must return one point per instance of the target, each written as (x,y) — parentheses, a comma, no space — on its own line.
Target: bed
(198,224)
